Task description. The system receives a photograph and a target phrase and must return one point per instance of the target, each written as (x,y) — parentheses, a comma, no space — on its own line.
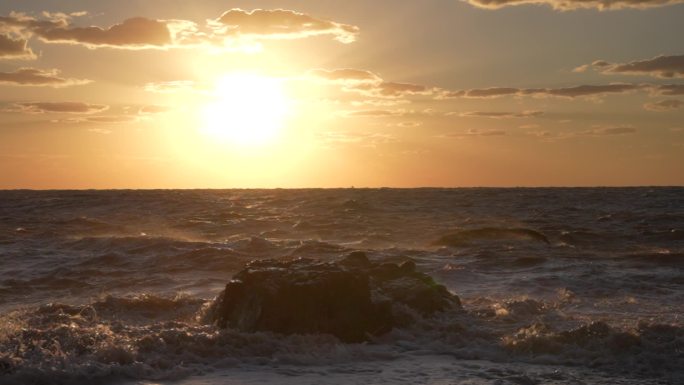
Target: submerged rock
(352,299)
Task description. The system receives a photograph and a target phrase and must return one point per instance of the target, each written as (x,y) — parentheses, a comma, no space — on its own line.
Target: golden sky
(399,93)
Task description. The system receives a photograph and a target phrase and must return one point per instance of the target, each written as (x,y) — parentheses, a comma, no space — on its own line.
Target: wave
(148,337)
(664,257)
(647,349)
(144,338)
(467,237)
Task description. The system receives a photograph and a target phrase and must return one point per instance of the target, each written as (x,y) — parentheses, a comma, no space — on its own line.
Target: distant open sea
(100,287)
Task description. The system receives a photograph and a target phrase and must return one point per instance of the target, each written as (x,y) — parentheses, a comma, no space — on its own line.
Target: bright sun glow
(248,110)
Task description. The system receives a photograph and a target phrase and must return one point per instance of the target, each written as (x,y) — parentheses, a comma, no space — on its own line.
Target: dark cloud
(659,66)
(584,90)
(57,107)
(280,24)
(493,92)
(502,115)
(593,132)
(566,5)
(669,89)
(11,48)
(566,92)
(38,77)
(664,105)
(132,33)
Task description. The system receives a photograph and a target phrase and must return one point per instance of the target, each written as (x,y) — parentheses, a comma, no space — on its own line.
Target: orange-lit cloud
(170,86)
(664,105)
(567,5)
(594,132)
(477,132)
(347,76)
(370,84)
(383,113)
(374,113)
(279,24)
(660,66)
(617,130)
(38,77)
(56,107)
(152,109)
(501,115)
(393,89)
(11,48)
(103,119)
(362,139)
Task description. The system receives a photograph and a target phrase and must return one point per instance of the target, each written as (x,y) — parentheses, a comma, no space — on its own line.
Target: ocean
(558,285)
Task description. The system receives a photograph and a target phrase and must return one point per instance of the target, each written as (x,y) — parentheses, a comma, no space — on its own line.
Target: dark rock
(408,266)
(356,259)
(6,366)
(352,299)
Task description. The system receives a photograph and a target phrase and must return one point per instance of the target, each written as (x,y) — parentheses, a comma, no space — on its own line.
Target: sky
(318,93)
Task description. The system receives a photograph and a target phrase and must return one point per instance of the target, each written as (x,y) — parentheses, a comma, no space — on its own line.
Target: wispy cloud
(500,115)
(477,132)
(370,84)
(104,119)
(382,113)
(38,77)
(567,5)
(152,109)
(374,113)
(56,107)
(170,86)
(362,139)
(609,131)
(346,76)
(664,105)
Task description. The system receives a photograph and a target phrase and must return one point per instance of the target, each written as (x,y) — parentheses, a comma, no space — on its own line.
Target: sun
(247,110)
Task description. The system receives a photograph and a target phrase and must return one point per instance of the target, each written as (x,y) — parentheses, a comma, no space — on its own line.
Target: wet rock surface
(353,299)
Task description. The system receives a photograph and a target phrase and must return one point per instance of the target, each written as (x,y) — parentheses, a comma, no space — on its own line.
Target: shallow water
(564,286)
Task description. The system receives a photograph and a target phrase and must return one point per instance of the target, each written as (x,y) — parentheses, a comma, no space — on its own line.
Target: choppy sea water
(101,287)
